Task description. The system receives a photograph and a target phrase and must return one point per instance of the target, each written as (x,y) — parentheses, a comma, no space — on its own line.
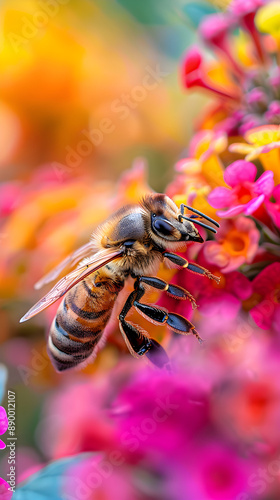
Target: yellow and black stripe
(80,321)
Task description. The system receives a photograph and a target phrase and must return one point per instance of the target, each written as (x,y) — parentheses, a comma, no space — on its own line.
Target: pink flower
(163,413)
(215,472)
(245,195)
(76,420)
(10,193)
(236,244)
(214,30)
(241,8)
(101,477)
(5,493)
(244,12)
(3,425)
(247,405)
(194,70)
(274,208)
(266,287)
(222,299)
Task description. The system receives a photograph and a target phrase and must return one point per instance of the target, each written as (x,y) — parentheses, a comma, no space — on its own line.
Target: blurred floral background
(101,102)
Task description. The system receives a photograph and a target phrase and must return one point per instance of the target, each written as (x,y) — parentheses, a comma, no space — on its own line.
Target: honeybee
(131,243)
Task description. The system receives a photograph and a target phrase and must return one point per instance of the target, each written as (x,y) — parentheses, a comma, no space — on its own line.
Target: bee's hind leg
(137,340)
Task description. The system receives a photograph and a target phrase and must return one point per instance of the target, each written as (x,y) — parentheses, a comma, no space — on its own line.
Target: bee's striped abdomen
(80,321)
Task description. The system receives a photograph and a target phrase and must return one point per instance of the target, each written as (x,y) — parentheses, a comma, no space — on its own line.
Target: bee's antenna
(199,223)
(202,215)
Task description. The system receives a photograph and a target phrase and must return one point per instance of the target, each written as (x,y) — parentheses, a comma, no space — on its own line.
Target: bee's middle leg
(159,316)
(174,291)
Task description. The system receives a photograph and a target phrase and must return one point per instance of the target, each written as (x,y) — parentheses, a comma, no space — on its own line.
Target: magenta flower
(266,288)
(215,472)
(163,413)
(245,195)
(274,208)
(223,299)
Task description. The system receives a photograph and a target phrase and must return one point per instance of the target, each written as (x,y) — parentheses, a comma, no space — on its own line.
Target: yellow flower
(264,144)
(201,172)
(268,20)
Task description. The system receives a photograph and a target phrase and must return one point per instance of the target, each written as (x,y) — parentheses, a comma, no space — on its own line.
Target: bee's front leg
(195,268)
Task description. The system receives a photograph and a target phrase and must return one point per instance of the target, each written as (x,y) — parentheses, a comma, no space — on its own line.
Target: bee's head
(166,226)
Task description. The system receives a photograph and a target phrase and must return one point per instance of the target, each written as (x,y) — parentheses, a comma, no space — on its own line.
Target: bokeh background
(101,102)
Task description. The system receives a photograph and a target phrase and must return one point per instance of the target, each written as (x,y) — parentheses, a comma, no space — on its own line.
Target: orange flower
(236,243)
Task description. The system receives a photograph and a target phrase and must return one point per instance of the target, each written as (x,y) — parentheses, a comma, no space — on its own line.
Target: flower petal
(215,255)
(274,212)
(5,492)
(221,197)
(262,314)
(192,60)
(224,305)
(240,171)
(188,166)
(234,263)
(238,209)
(254,204)
(265,184)
(276,318)
(276,193)
(267,280)
(240,285)
(3,420)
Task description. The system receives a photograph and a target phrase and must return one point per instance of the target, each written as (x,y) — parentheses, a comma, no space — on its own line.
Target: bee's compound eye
(163,226)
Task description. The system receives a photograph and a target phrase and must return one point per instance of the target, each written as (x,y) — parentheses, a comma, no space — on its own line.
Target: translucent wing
(70,261)
(100,259)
